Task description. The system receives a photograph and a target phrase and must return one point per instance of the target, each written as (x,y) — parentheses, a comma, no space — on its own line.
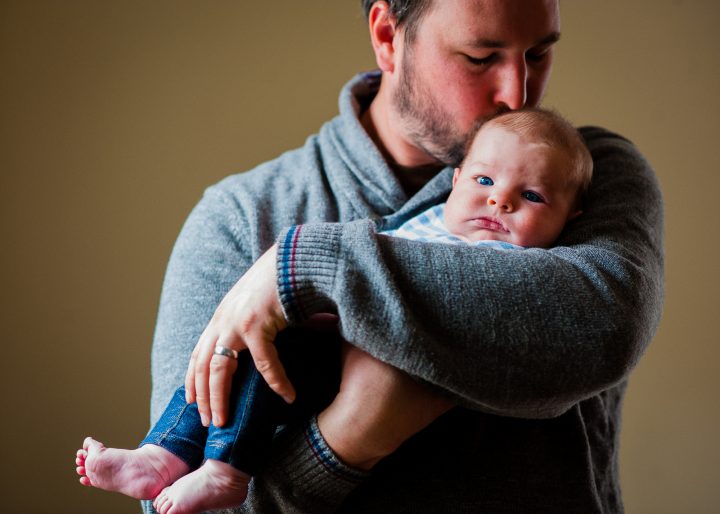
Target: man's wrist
(306,261)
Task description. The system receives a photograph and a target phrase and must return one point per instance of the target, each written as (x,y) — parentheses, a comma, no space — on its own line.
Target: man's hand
(377,409)
(249,317)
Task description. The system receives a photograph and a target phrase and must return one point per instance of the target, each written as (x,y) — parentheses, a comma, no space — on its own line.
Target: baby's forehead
(548,165)
(488,142)
(529,134)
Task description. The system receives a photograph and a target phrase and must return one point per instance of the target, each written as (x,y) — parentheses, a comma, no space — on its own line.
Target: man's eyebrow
(550,39)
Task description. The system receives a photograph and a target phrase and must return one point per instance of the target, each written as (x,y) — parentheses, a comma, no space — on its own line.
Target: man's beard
(429,127)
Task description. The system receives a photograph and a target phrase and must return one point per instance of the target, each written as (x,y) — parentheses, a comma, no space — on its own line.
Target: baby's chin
(476,233)
(489,235)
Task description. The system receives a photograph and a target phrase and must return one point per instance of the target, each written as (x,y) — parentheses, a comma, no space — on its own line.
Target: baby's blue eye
(485,181)
(533,197)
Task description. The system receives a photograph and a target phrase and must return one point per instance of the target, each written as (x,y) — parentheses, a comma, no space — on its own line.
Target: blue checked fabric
(429,226)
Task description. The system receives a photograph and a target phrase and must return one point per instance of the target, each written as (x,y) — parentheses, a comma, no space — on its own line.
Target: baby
(522,180)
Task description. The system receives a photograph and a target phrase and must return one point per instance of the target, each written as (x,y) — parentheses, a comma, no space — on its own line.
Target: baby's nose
(501,203)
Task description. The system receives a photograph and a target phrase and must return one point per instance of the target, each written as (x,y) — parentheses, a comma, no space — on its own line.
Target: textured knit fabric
(429,226)
(535,345)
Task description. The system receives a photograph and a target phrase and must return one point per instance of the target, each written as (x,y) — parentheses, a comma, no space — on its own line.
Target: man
(535,347)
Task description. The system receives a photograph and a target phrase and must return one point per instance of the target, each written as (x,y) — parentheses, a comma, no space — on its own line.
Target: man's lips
(489,223)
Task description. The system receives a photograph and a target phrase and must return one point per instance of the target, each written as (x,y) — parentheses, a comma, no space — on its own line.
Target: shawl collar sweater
(535,346)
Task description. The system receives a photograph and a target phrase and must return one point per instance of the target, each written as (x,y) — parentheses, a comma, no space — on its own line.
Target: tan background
(115,115)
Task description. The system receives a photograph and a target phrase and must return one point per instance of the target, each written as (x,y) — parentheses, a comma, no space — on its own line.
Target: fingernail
(204,420)
(288,398)
(215,420)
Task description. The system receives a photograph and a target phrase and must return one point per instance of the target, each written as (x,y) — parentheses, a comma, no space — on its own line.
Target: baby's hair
(550,128)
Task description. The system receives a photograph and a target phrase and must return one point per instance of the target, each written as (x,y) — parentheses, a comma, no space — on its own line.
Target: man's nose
(511,91)
(500,201)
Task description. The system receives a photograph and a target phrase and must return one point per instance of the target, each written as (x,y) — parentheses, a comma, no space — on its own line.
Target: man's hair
(552,129)
(407,13)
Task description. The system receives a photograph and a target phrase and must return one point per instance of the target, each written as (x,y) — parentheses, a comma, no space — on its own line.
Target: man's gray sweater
(535,346)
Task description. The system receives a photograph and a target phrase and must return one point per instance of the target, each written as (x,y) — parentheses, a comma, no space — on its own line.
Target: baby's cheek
(452,223)
(522,231)
(540,233)
(452,213)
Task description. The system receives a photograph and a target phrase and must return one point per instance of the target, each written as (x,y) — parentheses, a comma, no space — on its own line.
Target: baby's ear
(456,175)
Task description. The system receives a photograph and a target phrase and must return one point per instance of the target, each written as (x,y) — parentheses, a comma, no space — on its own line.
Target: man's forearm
(523,334)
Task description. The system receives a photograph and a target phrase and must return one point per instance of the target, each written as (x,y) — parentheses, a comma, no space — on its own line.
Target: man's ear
(456,174)
(382,34)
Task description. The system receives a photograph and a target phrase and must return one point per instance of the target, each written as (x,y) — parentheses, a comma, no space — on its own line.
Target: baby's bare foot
(140,473)
(215,485)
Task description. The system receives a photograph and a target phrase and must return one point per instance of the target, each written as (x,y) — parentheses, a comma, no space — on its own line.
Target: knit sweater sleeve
(524,334)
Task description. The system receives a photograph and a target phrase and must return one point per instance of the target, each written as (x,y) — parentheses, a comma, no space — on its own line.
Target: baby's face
(510,189)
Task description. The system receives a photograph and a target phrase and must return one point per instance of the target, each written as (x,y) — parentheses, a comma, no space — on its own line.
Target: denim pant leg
(312,362)
(255,411)
(180,431)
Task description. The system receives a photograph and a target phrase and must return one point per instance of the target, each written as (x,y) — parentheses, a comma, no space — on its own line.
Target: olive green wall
(115,115)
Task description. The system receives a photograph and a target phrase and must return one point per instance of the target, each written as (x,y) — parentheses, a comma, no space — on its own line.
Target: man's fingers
(190,377)
(202,376)
(221,371)
(269,366)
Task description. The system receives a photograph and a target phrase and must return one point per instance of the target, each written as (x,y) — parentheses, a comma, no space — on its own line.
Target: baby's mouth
(490,223)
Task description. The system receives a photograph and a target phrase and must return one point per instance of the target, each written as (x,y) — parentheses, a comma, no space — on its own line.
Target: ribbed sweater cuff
(306,265)
(311,461)
(304,475)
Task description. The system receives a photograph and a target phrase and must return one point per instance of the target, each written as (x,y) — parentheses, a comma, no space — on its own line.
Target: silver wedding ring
(225,352)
